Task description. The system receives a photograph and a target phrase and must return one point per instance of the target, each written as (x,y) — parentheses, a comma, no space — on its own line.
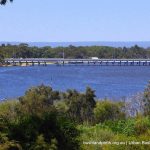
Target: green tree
(38,100)
(80,106)
(8,110)
(39,132)
(1,59)
(34,122)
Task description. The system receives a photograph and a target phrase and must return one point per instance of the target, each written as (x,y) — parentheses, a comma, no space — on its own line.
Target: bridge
(61,61)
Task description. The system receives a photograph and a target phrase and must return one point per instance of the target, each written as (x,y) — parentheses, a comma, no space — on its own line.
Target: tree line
(26,51)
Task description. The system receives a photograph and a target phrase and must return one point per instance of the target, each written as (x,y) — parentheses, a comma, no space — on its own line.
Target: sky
(75,20)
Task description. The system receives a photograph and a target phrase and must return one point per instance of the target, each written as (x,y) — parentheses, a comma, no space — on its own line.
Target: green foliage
(61,106)
(107,110)
(35,123)
(130,126)
(8,110)
(142,125)
(38,100)
(96,134)
(133,143)
(44,119)
(1,59)
(125,127)
(80,106)
(28,131)
(6,144)
(24,51)
(40,144)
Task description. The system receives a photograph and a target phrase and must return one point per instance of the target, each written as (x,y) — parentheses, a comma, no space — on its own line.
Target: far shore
(24,65)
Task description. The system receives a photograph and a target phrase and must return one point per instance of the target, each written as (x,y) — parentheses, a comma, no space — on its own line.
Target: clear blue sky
(75,20)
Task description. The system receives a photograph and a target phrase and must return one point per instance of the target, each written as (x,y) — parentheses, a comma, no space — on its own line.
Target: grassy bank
(131,134)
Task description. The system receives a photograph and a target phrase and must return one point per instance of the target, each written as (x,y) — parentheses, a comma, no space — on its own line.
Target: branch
(3,2)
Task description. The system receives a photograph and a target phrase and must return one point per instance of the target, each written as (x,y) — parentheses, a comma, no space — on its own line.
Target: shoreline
(24,65)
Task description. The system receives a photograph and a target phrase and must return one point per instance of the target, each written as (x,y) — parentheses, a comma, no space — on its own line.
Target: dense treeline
(25,51)
(44,119)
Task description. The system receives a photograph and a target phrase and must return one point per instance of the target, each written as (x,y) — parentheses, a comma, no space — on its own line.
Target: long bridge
(61,61)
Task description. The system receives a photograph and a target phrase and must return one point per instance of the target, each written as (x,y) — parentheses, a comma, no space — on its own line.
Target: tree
(3,2)
(38,100)
(34,122)
(80,106)
(51,131)
(1,59)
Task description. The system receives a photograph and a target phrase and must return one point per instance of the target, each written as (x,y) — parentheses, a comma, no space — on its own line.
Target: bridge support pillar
(7,63)
(44,64)
(120,63)
(20,63)
(14,63)
(32,63)
(26,63)
(139,63)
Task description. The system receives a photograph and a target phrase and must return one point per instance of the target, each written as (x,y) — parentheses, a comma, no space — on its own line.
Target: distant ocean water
(144,44)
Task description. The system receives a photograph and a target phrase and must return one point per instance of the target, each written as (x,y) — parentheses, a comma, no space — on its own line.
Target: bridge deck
(130,62)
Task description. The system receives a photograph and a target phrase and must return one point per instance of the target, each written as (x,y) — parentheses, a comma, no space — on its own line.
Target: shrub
(8,110)
(130,143)
(125,127)
(142,125)
(27,131)
(94,134)
(107,110)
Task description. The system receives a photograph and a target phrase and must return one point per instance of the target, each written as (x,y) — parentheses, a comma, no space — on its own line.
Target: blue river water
(113,82)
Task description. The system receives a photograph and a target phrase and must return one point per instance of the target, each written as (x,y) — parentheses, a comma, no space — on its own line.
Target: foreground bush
(34,123)
(123,142)
(27,132)
(107,110)
(94,134)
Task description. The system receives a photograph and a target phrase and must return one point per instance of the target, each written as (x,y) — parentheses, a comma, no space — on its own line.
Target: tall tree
(80,105)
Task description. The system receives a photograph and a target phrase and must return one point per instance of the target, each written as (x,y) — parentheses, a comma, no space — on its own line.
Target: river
(113,82)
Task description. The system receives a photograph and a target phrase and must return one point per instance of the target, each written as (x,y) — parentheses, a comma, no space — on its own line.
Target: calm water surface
(108,81)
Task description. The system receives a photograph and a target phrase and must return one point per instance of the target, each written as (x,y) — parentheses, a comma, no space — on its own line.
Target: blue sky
(75,20)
